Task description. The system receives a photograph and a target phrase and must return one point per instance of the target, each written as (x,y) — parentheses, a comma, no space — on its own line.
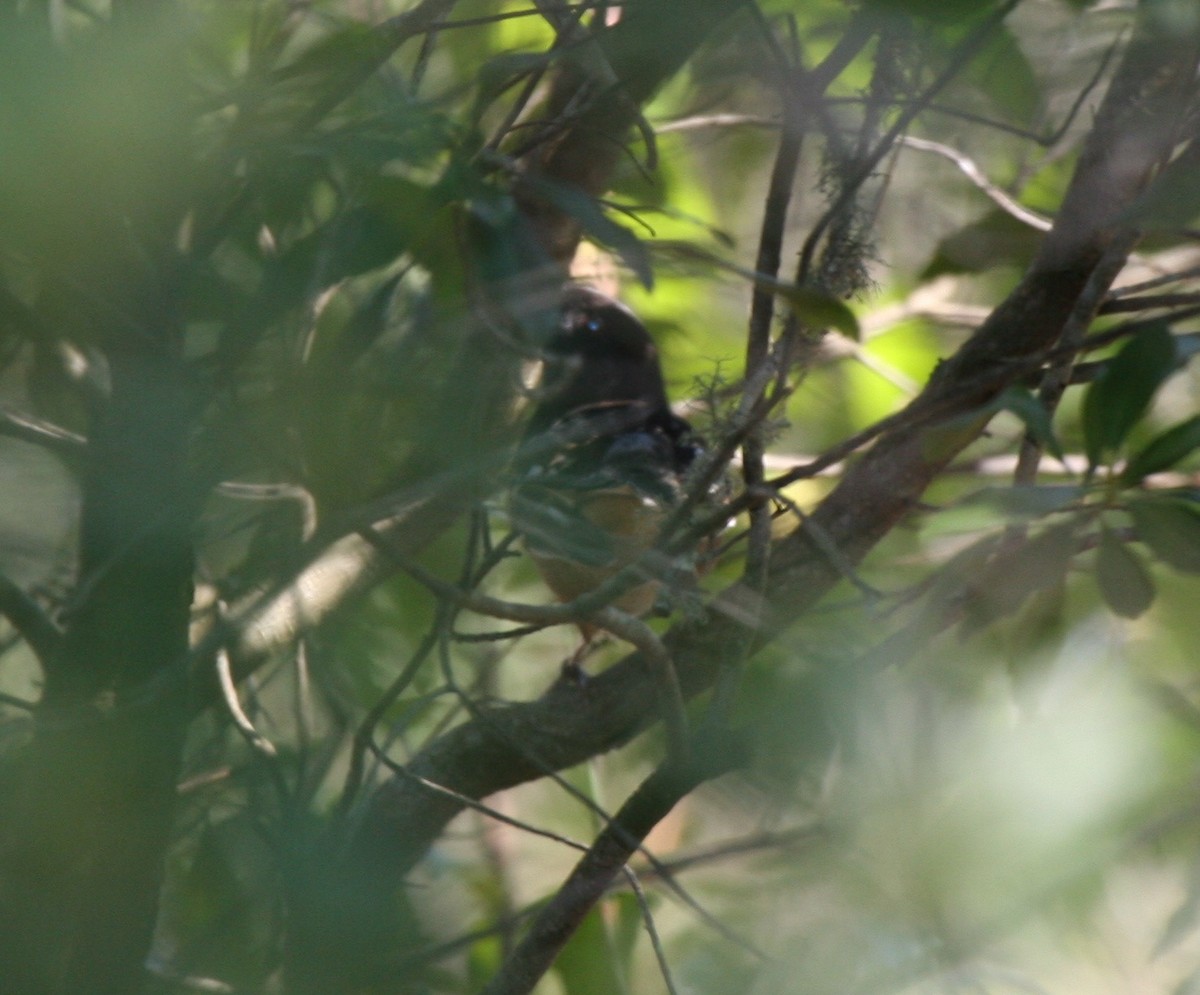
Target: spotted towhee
(604,458)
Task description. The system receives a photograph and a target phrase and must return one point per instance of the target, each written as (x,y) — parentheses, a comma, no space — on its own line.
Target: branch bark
(92,796)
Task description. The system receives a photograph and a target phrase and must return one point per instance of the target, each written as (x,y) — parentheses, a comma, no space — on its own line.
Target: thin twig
(660,955)
(828,548)
(758,345)
(976,175)
(467,802)
(67,445)
(301,495)
(365,733)
(587,883)
(233,704)
(29,619)
(577,9)
(619,623)
(14,702)
(1149,302)
(497,636)
(1178,276)
(754,843)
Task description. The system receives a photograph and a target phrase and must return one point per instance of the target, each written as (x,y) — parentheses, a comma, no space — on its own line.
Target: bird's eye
(593,324)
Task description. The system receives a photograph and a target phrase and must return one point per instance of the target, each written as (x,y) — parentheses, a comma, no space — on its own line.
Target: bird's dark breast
(572,383)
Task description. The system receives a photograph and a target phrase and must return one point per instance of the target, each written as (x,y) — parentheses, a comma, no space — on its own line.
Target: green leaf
(1027,500)
(1120,396)
(1033,413)
(1010,577)
(997,239)
(334,65)
(1163,452)
(496,75)
(819,309)
(1171,528)
(812,305)
(484,958)
(938,11)
(554,527)
(586,965)
(1124,582)
(397,216)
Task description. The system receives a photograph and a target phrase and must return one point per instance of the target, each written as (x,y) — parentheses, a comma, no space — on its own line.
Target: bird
(604,459)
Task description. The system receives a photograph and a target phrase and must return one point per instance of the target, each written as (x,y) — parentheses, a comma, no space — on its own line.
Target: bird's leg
(572,667)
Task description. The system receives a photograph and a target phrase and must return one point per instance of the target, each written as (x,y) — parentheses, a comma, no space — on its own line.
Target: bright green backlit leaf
(483,960)
(814,307)
(1124,582)
(529,31)
(1124,390)
(1163,452)
(819,309)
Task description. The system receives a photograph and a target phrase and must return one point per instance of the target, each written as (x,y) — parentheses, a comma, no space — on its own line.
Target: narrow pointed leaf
(1162,453)
(1124,390)
(1036,418)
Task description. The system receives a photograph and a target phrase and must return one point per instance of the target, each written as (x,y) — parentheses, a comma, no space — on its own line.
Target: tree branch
(595,872)
(1132,134)
(32,623)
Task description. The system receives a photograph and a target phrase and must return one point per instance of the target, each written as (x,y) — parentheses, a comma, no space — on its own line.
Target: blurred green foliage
(974,763)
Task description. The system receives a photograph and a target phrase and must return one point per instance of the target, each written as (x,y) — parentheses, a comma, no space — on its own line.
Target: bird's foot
(574,674)
(572,668)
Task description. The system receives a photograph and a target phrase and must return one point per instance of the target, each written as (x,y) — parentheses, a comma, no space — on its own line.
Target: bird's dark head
(600,355)
(593,324)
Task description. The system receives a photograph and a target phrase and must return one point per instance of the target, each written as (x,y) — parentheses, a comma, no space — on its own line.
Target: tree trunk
(81,851)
